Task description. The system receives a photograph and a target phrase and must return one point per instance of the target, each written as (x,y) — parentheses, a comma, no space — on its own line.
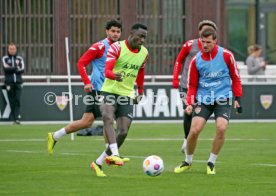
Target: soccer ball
(153,165)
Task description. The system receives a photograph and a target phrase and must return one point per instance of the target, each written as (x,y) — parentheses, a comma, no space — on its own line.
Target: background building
(39,27)
(250,22)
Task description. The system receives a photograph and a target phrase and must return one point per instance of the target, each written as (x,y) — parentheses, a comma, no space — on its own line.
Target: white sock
(189,159)
(114,149)
(212,158)
(101,158)
(58,134)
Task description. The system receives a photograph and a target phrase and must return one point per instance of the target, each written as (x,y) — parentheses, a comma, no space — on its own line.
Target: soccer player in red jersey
(213,82)
(96,57)
(189,49)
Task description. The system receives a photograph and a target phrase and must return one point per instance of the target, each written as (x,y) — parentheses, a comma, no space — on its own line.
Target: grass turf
(246,165)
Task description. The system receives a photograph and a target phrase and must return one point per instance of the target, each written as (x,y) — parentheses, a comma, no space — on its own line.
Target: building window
(244,29)
(87,24)
(165,21)
(29,24)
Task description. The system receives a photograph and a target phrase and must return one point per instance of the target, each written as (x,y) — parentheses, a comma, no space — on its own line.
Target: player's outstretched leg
(85,122)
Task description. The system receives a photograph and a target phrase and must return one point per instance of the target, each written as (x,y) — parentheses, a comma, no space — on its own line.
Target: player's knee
(221,132)
(123,134)
(88,124)
(196,130)
(194,134)
(87,121)
(221,128)
(123,131)
(107,118)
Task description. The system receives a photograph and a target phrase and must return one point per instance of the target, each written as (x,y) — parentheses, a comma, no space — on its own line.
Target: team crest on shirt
(17,62)
(266,101)
(61,102)
(197,109)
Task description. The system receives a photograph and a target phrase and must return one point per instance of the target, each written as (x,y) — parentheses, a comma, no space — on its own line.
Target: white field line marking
(73,154)
(23,151)
(22,140)
(36,152)
(144,139)
(85,154)
(264,164)
(135,157)
(203,139)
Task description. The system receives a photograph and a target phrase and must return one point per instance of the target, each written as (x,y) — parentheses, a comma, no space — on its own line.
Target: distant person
(13,66)
(189,49)
(255,63)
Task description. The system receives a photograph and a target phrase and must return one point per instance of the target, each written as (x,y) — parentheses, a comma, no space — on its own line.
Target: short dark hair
(138,26)
(113,23)
(11,44)
(207,32)
(207,23)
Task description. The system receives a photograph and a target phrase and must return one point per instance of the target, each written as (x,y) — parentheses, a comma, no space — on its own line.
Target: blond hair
(253,48)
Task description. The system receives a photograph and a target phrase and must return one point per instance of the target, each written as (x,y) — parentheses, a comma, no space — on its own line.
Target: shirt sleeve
(234,73)
(111,58)
(21,65)
(7,68)
(180,59)
(193,77)
(141,77)
(95,51)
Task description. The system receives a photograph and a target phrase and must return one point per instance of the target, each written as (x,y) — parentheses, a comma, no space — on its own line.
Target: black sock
(187,124)
(120,139)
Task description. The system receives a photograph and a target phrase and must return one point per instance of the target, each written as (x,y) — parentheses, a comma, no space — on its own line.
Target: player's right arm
(179,62)
(193,77)
(111,58)
(95,51)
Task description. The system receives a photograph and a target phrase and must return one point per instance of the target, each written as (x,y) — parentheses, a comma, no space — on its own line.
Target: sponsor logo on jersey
(131,66)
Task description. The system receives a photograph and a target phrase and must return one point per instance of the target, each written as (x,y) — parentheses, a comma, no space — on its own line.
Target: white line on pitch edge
(143,139)
(135,157)
(264,164)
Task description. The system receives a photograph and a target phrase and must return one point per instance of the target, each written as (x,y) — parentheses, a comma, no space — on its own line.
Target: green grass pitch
(245,166)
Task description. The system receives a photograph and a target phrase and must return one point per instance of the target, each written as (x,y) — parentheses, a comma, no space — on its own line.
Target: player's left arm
(140,82)
(235,77)
(141,77)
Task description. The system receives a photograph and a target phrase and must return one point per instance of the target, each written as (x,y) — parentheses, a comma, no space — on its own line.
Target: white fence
(153,79)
